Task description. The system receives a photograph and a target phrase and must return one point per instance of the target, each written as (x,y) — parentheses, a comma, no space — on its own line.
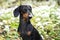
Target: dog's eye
(30,9)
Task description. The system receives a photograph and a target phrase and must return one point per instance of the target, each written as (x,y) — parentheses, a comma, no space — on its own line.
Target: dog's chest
(23,25)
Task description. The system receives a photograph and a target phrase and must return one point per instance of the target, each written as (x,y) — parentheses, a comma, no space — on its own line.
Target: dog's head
(23,9)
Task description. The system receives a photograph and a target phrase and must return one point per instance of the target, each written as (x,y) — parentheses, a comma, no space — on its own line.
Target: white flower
(57,13)
(37,20)
(7,28)
(58,17)
(39,24)
(45,15)
(46,23)
(4,21)
(13,19)
(1,23)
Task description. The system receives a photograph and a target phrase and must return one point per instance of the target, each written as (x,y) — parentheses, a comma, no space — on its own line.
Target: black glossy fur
(24,27)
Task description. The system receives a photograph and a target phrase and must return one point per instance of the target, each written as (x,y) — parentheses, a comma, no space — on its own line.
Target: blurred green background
(46,18)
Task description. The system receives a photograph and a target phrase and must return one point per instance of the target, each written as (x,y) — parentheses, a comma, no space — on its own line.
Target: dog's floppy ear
(16,12)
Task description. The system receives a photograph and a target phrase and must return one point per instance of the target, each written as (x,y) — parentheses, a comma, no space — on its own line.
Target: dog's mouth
(28,12)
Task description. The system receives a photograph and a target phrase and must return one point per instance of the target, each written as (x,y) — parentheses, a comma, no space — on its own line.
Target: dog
(25,28)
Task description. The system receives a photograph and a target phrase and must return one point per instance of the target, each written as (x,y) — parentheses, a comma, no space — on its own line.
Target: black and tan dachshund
(26,29)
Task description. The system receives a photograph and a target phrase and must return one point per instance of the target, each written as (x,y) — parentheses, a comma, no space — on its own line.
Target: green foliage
(46,21)
(48,26)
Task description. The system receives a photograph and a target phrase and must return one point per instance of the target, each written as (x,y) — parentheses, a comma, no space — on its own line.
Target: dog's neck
(24,19)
